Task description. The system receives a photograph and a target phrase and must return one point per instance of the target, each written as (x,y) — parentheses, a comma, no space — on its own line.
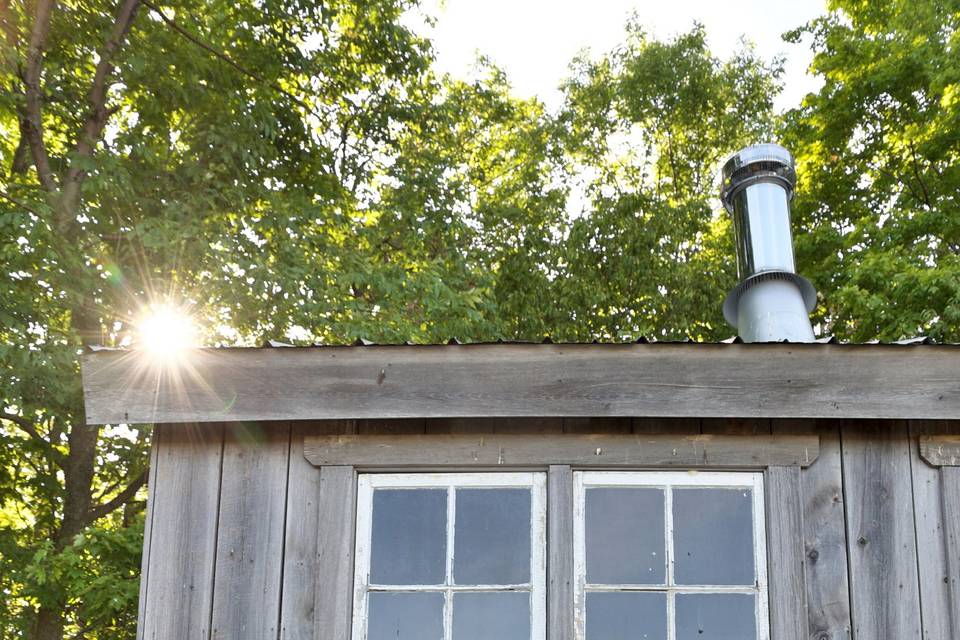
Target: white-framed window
(450,556)
(670,555)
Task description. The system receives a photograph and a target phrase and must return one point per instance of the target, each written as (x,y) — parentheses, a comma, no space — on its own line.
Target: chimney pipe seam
(807,291)
(738,185)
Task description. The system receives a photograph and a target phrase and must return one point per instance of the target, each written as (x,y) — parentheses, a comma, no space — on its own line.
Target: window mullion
(448,592)
(668,537)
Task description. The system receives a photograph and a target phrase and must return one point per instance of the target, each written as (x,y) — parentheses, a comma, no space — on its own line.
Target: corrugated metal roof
(363,342)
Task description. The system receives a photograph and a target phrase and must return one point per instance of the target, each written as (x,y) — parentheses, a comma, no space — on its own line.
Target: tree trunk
(78,471)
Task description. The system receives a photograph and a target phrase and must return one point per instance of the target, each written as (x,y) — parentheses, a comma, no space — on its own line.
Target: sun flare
(166,332)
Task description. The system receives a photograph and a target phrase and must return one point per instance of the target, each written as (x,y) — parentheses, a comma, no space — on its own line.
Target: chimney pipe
(772,303)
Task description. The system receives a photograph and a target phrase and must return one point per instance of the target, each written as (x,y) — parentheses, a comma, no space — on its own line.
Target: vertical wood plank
(300,570)
(397,426)
(560,579)
(950,483)
(253,500)
(788,593)
(646,426)
(459,425)
(183,540)
(597,425)
(147,530)
(528,425)
(333,601)
(736,426)
(931,543)
(825,535)
(881,541)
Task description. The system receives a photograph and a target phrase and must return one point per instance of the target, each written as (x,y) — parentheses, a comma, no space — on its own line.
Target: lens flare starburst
(166,332)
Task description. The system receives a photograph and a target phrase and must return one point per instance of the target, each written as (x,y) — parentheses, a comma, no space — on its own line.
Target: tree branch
(10,27)
(24,424)
(120,499)
(28,427)
(20,204)
(31,113)
(21,156)
(224,57)
(916,173)
(93,126)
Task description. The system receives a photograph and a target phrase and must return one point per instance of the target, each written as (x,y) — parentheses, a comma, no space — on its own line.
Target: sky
(535,40)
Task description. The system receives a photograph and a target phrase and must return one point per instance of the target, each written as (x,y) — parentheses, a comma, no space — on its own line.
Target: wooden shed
(559,491)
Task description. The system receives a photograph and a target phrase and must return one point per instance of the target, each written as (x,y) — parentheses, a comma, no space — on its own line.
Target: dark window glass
(713,536)
(405,616)
(409,536)
(491,616)
(626,615)
(716,616)
(492,538)
(625,536)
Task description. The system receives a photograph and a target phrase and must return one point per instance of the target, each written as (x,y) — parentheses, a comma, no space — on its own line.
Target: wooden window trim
(941,450)
(629,451)
(338,504)
(367,483)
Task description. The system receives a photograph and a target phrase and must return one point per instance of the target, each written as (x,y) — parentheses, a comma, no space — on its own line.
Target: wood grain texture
(950,479)
(603,450)
(560,578)
(253,500)
(598,425)
(690,426)
(931,543)
(333,598)
(183,539)
(881,541)
(505,380)
(825,536)
(940,450)
(788,593)
(147,530)
(735,426)
(300,557)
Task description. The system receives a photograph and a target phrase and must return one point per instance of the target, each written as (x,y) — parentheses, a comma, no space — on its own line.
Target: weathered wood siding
(238,544)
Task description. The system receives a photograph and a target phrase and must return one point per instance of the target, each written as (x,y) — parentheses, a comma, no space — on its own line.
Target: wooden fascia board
(517,380)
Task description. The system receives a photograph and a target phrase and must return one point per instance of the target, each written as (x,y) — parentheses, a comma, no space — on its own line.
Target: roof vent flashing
(772,303)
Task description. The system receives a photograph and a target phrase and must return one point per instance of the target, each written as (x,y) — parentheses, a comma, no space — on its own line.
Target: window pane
(713,536)
(409,536)
(716,616)
(492,540)
(626,616)
(405,616)
(624,536)
(491,616)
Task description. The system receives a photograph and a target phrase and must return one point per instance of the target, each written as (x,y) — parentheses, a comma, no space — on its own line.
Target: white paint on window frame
(667,480)
(367,483)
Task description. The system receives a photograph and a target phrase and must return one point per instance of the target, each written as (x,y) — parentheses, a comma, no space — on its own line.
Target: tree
(296,170)
(276,169)
(151,153)
(878,148)
(652,254)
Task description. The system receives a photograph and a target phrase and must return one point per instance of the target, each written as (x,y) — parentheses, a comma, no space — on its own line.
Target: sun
(166,332)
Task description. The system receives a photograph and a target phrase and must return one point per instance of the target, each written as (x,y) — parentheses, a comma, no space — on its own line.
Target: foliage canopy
(298,171)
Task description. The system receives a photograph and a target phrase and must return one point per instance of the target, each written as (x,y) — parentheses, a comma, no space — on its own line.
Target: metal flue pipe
(772,303)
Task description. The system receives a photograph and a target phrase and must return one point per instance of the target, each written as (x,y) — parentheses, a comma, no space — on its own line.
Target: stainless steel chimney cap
(755,163)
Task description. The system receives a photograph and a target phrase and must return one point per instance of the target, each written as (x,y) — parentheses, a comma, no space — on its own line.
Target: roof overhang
(516,380)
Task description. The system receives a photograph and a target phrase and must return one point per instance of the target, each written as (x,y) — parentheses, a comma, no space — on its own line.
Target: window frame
(339,458)
(667,480)
(367,483)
